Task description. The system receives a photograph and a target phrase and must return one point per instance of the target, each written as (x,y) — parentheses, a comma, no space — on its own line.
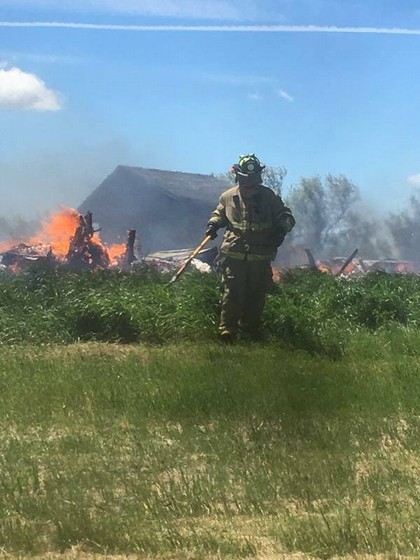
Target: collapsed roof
(168,209)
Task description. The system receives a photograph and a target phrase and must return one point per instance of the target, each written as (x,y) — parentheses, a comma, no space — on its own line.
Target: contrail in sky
(217,28)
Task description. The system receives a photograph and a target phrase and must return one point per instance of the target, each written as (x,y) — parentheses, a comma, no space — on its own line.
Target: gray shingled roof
(181,185)
(168,209)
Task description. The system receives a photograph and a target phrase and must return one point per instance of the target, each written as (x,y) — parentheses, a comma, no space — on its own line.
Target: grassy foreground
(200,451)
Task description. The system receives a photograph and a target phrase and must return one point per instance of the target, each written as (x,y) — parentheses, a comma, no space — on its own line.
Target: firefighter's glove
(212,231)
(287,222)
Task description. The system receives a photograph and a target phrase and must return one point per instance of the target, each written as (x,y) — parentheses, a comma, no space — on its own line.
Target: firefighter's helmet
(248,165)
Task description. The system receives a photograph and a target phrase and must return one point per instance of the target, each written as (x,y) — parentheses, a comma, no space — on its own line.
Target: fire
(57,231)
(404,268)
(323,267)
(116,251)
(4,246)
(70,237)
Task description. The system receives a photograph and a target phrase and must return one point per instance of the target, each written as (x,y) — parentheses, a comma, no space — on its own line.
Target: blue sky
(340,97)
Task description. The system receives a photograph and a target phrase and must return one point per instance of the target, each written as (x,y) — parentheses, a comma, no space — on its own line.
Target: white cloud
(255,96)
(284,95)
(414,180)
(22,90)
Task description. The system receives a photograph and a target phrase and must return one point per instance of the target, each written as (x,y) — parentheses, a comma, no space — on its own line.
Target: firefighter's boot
(226,336)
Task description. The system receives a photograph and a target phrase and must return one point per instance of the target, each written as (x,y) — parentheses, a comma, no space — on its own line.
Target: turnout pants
(245,284)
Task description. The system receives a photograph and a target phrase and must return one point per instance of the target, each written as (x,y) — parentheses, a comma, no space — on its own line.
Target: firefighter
(256,222)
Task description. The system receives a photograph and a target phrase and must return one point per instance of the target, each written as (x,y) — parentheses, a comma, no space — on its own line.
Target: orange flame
(323,267)
(115,252)
(57,231)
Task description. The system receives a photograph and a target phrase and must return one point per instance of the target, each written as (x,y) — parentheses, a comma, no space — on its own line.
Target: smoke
(34,184)
(17,228)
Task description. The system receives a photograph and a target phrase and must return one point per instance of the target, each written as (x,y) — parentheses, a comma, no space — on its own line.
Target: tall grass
(308,310)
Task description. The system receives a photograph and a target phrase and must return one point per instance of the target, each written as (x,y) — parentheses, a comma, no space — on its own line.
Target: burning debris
(355,266)
(69,240)
(22,257)
(85,251)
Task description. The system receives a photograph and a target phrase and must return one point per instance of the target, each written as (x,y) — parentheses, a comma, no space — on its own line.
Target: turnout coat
(255,226)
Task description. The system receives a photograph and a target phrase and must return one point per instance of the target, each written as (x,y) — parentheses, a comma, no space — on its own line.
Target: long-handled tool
(190,258)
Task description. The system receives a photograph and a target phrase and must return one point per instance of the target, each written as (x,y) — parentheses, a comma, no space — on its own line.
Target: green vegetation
(308,310)
(196,450)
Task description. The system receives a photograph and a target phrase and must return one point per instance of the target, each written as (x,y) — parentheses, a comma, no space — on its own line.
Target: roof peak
(155,170)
